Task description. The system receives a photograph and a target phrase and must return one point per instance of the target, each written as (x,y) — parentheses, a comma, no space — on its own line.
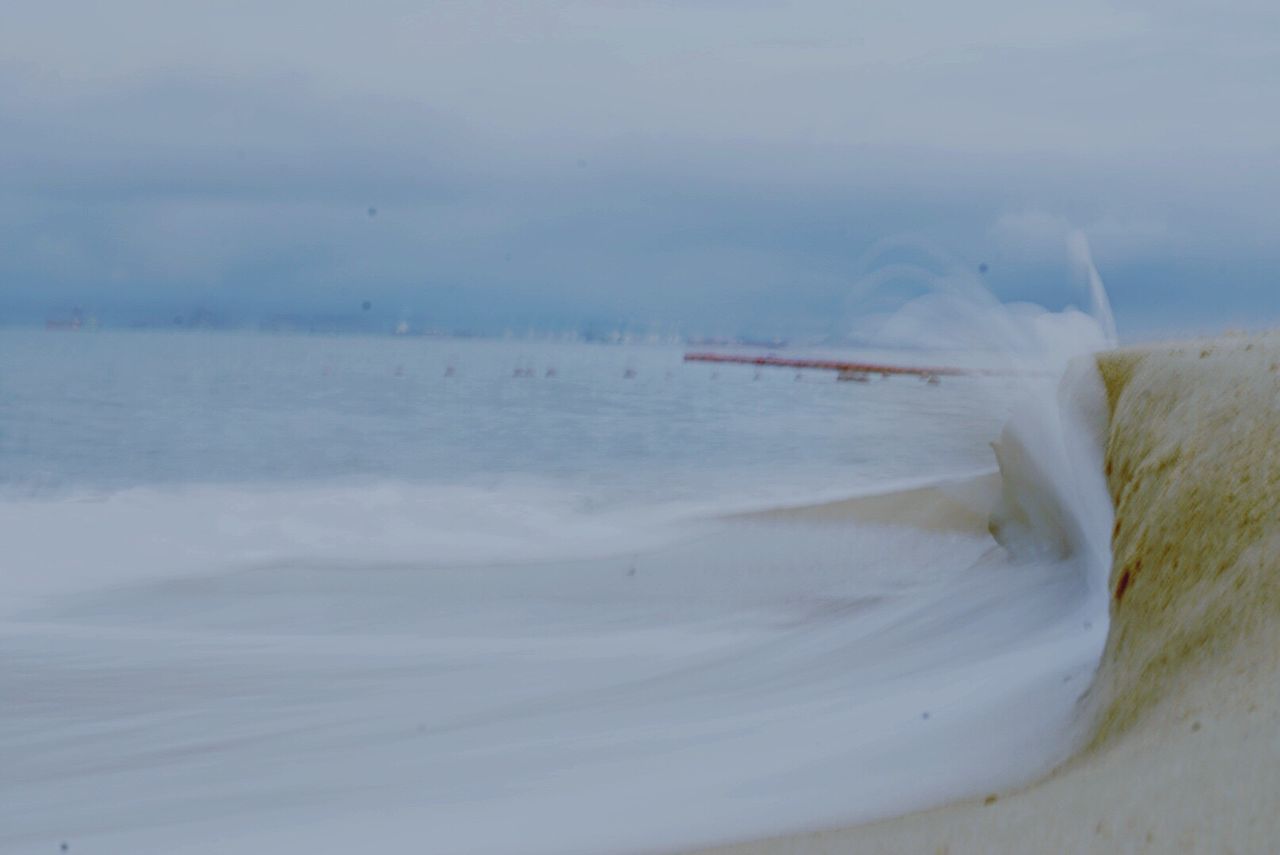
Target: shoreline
(1185,704)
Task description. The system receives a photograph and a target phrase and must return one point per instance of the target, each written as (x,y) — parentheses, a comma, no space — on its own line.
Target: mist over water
(324,595)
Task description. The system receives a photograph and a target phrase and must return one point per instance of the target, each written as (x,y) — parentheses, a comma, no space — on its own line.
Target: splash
(1054,494)
(1054,503)
(1099,304)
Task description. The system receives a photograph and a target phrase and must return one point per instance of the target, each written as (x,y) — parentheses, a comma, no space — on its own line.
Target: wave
(79,542)
(722,685)
(561,680)
(1054,503)
(1181,750)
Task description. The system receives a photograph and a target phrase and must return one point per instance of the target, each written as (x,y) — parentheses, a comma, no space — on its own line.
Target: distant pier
(856,371)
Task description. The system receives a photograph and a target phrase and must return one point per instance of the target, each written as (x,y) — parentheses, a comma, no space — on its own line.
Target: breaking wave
(505,671)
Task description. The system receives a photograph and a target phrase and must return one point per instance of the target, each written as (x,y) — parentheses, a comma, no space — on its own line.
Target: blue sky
(703,166)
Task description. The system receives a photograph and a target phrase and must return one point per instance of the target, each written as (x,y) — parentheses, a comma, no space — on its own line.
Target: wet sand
(1184,753)
(962,504)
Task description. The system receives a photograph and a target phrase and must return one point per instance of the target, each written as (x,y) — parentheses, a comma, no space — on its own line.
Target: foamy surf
(170,534)
(725,686)
(325,669)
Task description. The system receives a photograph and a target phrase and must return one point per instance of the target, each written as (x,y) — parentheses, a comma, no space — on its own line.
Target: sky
(703,167)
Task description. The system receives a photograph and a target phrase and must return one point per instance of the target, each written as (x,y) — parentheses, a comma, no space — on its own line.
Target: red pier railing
(853,370)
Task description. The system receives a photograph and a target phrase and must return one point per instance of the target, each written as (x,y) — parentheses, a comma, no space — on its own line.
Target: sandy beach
(557,427)
(1184,752)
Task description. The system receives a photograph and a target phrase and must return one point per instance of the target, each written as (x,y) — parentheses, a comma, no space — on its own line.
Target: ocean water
(117,410)
(330,594)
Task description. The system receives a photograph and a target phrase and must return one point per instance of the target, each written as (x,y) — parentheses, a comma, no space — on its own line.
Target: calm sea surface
(616,423)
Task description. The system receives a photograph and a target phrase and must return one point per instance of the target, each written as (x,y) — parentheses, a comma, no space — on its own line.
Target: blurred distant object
(74,321)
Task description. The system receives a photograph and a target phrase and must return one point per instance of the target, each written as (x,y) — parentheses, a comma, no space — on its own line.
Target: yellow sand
(1185,754)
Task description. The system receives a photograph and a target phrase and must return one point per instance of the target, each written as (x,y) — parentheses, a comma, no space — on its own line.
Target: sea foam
(374,666)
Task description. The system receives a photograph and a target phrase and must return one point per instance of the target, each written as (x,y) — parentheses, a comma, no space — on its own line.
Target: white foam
(58,546)
(382,667)
(761,678)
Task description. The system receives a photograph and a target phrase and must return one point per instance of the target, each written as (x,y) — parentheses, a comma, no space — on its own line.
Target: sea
(307,593)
